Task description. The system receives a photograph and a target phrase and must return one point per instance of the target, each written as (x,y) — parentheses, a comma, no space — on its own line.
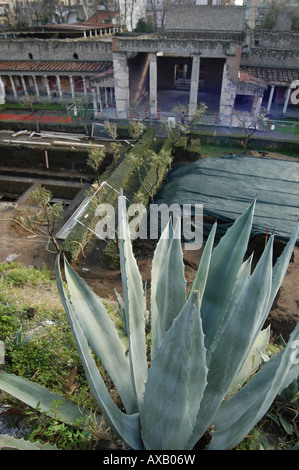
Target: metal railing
(282,126)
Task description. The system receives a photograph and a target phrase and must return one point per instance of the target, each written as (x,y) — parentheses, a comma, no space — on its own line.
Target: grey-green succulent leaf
(176,382)
(134,305)
(200,280)
(12,443)
(102,335)
(239,287)
(256,355)
(169,289)
(124,425)
(225,263)
(157,266)
(238,415)
(37,396)
(122,312)
(235,341)
(208,365)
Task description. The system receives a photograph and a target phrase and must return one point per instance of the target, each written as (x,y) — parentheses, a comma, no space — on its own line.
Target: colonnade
(228,89)
(46,85)
(121,81)
(286,101)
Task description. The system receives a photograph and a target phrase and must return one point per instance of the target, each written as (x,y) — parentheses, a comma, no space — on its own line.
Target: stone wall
(275,40)
(184,47)
(205,18)
(275,58)
(53,49)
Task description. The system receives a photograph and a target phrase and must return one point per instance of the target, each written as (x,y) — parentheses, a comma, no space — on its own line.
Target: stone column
(185,70)
(13,87)
(270,99)
(59,85)
(94,102)
(84,86)
(227,98)
(106,98)
(285,106)
(99,97)
(121,84)
(24,85)
(153,85)
(35,85)
(72,86)
(2,91)
(194,85)
(256,106)
(47,85)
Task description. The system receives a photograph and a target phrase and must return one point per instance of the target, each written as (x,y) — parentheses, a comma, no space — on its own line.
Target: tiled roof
(43,66)
(273,75)
(247,77)
(80,26)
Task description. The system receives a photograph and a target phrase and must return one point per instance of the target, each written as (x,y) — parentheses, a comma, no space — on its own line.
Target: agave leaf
(252,362)
(35,395)
(126,426)
(101,335)
(122,312)
(176,381)
(236,340)
(239,287)
(200,280)
(290,387)
(225,263)
(134,304)
(12,443)
(157,265)
(169,294)
(237,416)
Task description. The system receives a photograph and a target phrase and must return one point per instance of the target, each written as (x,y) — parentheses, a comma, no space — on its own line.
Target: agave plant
(205,343)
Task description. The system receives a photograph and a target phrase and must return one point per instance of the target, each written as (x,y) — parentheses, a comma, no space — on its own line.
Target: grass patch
(210,150)
(46,354)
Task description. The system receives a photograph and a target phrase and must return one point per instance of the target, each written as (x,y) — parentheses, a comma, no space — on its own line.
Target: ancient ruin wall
(54,49)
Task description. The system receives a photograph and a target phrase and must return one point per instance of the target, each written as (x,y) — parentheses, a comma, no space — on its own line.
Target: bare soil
(17,244)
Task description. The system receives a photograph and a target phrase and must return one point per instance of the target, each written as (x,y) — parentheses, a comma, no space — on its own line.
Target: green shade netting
(227,185)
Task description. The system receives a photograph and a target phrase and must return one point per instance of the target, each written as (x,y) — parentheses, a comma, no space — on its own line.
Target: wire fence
(282,126)
(213,119)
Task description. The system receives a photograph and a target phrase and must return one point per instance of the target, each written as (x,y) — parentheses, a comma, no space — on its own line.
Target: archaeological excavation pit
(17,192)
(12,189)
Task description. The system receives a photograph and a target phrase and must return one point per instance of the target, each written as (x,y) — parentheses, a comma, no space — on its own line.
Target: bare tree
(39,9)
(31,101)
(44,218)
(249,124)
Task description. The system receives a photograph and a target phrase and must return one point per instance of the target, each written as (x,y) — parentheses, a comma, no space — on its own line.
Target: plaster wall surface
(53,49)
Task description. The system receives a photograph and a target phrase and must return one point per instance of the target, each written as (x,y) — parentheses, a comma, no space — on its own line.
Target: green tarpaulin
(227,185)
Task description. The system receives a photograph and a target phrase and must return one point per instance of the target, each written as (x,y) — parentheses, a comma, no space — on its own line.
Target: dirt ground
(17,244)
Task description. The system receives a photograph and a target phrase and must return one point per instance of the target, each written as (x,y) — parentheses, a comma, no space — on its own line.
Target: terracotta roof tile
(273,75)
(246,77)
(54,66)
